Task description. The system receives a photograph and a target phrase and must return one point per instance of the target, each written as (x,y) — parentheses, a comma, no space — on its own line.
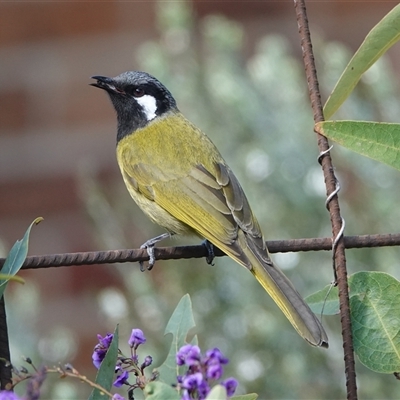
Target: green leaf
(375,318)
(250,396)
(375,314)
(160,391)
(379,141)
(384,35)
(16,256)
(218,392)
(179,325)
(105,374)
(324,301)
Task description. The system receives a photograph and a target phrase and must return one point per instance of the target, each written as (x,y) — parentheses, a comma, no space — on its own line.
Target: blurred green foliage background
(257,112)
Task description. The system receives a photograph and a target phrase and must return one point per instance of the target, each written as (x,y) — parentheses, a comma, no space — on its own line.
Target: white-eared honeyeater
(179,179)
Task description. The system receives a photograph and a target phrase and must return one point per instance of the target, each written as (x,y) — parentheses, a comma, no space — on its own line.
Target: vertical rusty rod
(5,366)
(333,205)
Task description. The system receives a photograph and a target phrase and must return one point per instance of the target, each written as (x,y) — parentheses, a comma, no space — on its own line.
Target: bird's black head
(137,97)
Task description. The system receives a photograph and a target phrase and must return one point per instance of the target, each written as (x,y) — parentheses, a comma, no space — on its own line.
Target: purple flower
(101,348)
(106,340)
(193,381)
(203,390)
(230,386)
(7,395)
(117,396)
(213,362)
(121,379)
(147,361)
(189,355)
(137,338)
(97,357)
(215,356)
(185,395)
(214,371)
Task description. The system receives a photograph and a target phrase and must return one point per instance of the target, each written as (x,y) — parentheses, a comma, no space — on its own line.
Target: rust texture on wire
(175,253)
(331,184)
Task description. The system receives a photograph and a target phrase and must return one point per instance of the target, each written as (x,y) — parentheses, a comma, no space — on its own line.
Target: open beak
(107,84)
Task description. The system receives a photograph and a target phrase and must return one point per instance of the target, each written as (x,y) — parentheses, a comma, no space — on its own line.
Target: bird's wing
(210,202)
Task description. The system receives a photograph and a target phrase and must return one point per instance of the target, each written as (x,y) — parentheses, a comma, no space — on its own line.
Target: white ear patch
(149,106)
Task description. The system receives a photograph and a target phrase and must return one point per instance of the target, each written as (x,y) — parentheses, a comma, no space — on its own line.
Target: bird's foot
(149,246)
(210,250)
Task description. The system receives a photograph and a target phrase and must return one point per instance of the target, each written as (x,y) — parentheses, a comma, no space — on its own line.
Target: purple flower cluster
(8,395)
(125,365)
(202,371)
(33,386)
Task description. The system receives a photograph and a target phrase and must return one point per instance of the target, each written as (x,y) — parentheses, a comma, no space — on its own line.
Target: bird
(177,176)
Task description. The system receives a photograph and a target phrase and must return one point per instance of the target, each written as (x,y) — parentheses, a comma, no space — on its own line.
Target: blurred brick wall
(51,120)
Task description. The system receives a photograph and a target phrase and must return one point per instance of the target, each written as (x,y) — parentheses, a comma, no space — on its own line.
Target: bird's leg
(149,246)
(210,250)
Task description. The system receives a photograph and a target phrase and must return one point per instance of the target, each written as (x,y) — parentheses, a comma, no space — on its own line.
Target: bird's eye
(138,92)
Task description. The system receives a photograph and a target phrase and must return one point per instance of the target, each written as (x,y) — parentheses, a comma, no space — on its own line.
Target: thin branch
(176,253)
(333,205)
(75,374)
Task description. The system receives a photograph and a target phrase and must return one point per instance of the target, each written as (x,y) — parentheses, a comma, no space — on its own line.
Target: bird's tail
(282,292)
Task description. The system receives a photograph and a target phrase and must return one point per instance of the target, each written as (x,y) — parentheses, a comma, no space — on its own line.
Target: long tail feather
(282,292)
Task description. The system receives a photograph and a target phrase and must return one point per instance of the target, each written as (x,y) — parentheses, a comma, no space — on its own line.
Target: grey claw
(149,246)
(210,249)
(152,257)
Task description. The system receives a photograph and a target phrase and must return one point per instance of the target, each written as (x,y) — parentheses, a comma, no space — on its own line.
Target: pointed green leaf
(379,141)
(375,315)
(16,256)
(218,392)
(160,391)
(324,301)
(105,374)
(250,396)
(179,325)
(384,35)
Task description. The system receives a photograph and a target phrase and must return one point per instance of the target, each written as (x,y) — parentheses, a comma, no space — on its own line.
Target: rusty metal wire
(176,253)
(331,184)
(5,366)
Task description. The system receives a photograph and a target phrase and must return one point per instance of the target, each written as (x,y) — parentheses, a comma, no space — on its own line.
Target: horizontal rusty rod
(199,251)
